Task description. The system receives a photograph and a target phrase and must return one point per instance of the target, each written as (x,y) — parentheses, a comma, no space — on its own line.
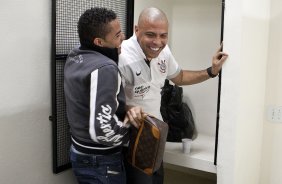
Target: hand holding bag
(147,144)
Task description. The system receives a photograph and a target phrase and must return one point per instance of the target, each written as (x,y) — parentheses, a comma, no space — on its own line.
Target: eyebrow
(118,33)
(154,33)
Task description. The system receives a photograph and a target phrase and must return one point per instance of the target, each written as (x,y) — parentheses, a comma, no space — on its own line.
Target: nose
(122,36)
(157,41)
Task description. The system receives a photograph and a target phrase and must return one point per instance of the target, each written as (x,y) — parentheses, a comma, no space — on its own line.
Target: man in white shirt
(145,62)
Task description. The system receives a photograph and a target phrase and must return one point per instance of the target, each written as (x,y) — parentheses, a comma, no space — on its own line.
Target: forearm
(187,77)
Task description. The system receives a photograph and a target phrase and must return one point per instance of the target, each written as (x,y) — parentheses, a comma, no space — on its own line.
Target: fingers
(220,47)
(218,60)
(223,57)
(144,115)
(134,123)
(219,50)
(135,116)
(220,55)
(126,119)
(135,113)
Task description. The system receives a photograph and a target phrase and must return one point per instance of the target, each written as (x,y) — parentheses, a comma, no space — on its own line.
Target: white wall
(272,149)
(243,91)
(25,133)
(195,37)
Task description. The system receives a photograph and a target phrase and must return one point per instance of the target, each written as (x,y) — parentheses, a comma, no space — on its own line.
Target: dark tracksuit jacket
(95,100)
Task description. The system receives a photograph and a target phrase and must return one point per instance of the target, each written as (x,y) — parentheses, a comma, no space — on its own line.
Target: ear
(98,42)
(136,29)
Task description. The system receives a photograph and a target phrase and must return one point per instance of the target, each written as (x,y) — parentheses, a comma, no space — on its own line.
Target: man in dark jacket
(95,100)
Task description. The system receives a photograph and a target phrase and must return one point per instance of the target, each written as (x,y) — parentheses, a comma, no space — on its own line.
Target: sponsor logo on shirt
(141,90)
(162,66)
(109,134)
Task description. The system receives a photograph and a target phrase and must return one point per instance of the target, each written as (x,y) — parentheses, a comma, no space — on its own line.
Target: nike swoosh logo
(138,73)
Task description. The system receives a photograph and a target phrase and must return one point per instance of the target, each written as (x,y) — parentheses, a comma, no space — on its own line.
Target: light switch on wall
(274,114)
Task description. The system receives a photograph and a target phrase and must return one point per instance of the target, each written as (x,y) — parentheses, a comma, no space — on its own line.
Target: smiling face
(152,32)
(115,37)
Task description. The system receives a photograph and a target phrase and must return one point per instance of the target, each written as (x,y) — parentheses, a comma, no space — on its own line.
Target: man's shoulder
(126,59)
(129,54)
(129,45)
(166,51)
(95,60)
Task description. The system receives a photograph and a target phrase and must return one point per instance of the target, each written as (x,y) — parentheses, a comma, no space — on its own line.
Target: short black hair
(93,23)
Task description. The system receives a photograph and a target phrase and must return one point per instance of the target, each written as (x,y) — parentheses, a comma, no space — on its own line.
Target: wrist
(209,71)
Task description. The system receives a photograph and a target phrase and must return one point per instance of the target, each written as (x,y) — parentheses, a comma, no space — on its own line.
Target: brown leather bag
(147,144)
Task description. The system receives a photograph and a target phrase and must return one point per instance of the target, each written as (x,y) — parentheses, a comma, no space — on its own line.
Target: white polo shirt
(143,83)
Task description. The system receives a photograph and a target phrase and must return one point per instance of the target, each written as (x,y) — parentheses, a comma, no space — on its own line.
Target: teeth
(155,49)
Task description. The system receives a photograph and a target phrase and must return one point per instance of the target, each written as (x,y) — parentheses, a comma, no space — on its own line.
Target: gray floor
(176,175)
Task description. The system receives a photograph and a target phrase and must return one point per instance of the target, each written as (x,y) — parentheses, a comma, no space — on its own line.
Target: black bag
(176,113)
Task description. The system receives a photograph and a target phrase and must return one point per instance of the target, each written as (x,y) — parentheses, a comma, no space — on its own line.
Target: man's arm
(106,126)
(187,77)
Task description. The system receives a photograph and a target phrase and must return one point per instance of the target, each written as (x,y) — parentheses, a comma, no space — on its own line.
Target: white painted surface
(201,156)
(25,133)
(271,165)
(195,37)
(243,92)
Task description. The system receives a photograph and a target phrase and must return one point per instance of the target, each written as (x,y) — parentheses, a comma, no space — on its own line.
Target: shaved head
(151,14)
